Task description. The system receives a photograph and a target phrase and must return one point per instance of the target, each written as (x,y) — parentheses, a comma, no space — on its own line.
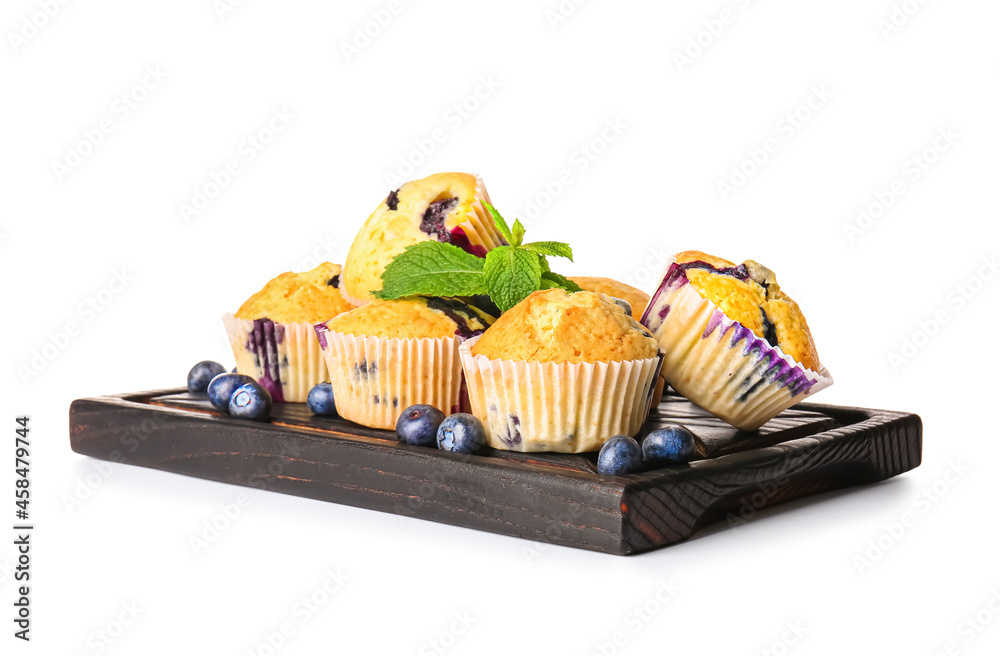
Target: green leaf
(433,268)
(554,248)
(544,262)
(501,224)
(517,232)
(511,274)
(553,280)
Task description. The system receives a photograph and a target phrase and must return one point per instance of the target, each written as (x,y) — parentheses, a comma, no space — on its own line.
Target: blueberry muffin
(735,343)
(272,333)
(388,355)
(445,207)
(636,298)
(559,326)
(561,372)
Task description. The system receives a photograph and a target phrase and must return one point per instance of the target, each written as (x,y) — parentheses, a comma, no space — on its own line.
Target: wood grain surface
(554,498)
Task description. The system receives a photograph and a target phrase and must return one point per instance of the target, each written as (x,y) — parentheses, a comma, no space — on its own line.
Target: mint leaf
(517,232)
(511,274)
(501,224)
(433,268)
(551,280)
(508,274)
(554,248)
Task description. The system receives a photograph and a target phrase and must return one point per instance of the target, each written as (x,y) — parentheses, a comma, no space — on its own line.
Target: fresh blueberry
(320,400)
(250,401)
(202,374)
(623,304)
(418,425)
(461,433)
(619,456)
(669,445)
(221,389)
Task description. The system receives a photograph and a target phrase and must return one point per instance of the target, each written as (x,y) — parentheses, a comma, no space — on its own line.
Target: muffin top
(637,298)
(556,326)
(413,318)
(749,293)
(437,207)
(307,297)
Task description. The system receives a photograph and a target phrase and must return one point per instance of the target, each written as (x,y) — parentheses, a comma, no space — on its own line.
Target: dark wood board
(555,498)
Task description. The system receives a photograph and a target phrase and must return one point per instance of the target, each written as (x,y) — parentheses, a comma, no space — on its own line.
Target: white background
(537,92)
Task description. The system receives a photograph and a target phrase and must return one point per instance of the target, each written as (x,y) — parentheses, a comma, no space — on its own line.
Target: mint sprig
(511,274)
(508,274)
(552,280)
(553,248)
(433,268)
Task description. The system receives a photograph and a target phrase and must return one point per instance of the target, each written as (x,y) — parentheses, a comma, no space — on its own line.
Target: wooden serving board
(553,498)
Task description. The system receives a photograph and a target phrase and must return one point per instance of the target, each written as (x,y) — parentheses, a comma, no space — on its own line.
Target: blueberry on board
(418,425)
(320,400)
(669,445)
(202,374)
(619,456)
(461,433)
(221,389)
(250,401)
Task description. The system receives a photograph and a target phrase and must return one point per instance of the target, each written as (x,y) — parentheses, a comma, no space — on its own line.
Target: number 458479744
(22,468)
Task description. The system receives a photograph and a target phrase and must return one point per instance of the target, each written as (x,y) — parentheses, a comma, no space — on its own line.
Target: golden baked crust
(412,318)
(750,295)
(442,207)
(556,326)
(637,298)
(298,297)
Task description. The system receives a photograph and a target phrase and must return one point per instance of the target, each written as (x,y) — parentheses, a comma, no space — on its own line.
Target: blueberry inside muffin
(413,318)
(636,298)
(445,207)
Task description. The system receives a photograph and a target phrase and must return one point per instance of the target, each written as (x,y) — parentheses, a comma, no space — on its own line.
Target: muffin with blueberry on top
(636,298)
(445,207)
(272,333)
(388,355)
(561,371)
(735,343)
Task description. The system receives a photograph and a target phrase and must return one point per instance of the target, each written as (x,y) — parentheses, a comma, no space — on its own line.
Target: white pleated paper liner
(567,408)
(285,358)
(478,226)
(721,365)
(375,378)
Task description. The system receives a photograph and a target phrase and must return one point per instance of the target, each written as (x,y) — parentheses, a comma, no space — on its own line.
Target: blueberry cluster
(241,396)
(425,425)
(670,445)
